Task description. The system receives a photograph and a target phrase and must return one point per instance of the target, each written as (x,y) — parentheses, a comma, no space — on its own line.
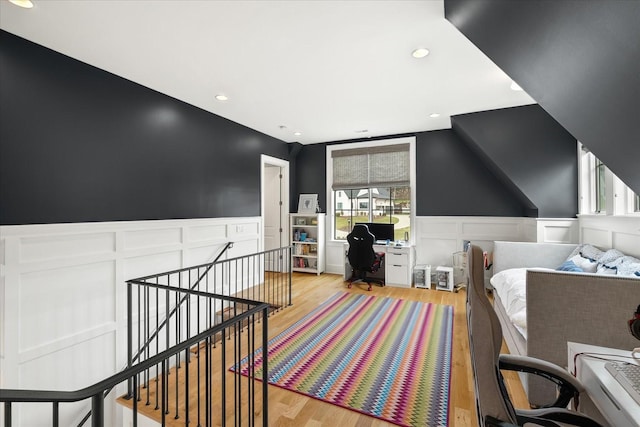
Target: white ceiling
(327,69)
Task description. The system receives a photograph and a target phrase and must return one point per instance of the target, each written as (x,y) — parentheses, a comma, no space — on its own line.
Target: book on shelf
(302,263)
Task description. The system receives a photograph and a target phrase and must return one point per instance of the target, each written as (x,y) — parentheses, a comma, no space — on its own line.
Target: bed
(558,306)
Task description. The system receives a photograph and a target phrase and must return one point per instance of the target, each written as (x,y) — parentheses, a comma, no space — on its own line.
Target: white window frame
(367,144)
(620,199)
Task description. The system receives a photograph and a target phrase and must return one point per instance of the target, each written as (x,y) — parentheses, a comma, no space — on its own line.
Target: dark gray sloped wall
(452,180)
(578,59)
(79,144)
(528,150)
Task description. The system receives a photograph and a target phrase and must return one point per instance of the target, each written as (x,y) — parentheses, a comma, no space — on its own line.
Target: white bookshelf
(308,253)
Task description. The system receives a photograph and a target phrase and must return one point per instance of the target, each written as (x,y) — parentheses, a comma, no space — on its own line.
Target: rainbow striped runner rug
(384,357)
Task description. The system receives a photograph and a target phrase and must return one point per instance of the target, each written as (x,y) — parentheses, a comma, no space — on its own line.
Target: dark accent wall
(578,59)
(79,144)
(529,152)
(452,180)
(311,174)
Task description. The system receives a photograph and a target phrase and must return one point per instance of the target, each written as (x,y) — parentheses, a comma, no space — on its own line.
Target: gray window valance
(383,166)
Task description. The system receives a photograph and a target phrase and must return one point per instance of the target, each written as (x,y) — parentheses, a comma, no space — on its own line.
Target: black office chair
(362,258)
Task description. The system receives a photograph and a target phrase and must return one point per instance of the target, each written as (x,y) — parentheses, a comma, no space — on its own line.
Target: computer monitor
(380,231)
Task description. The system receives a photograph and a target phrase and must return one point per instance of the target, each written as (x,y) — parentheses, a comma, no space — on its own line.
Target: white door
(273,226)
(275,210)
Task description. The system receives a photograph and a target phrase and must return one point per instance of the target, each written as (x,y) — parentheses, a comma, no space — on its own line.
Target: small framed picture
(301,221)
(307,203)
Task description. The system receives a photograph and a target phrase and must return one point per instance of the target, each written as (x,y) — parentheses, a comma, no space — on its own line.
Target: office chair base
(368,282)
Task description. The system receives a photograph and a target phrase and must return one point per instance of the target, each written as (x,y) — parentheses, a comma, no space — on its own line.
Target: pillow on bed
(610,256)
(625,266)
(583,258)
(570,266)
(584,263)
(615,262)
(603,269)
(587,251)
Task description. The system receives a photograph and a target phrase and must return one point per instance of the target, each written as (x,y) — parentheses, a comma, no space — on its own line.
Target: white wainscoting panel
(619,232)
(63,296)
(136,239)
(557,230)
(438,237)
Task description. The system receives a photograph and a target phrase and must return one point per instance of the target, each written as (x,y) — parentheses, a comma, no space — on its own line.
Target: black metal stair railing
(227,246)
(166,310)
(243,390)
(264,277)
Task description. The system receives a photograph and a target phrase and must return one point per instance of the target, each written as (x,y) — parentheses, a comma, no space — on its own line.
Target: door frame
(284,209)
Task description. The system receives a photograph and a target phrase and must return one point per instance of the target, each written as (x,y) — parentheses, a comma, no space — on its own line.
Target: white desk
(397,268)
(608,396)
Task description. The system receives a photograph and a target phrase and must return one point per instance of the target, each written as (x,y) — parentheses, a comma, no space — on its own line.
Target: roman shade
(383,166)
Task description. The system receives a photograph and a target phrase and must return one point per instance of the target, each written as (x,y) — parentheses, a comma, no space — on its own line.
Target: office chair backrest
(485,341)
(361,255)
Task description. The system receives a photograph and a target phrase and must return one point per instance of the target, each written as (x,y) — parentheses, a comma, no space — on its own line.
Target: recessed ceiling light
(420,52)
(27,4)
(222,97)
(434,115)
(515,86)
(297,133)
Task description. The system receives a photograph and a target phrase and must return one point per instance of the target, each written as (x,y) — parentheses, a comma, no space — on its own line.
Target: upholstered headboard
(529,255)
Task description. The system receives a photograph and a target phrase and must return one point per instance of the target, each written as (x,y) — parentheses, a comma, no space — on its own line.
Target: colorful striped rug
(385,357)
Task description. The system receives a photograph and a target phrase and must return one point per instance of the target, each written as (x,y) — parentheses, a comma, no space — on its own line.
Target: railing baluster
(265,370)
(97,410)
(163,385)
(207,384)
(136,398)
(56,414)
(178,334)
(129,334)
(250,382)
(157,340)
(7,414)
(145,374)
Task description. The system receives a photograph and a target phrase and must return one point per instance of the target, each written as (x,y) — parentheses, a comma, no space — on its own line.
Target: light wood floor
(287,408)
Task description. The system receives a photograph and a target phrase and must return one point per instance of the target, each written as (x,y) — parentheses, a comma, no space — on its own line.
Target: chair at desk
(362,258)
(493,404)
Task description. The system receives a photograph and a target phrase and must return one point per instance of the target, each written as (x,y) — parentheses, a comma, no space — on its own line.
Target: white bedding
(510,285)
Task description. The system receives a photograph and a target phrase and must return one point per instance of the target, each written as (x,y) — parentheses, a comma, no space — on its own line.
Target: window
(600,190)
(600,187)
(371,182)
(391,205)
